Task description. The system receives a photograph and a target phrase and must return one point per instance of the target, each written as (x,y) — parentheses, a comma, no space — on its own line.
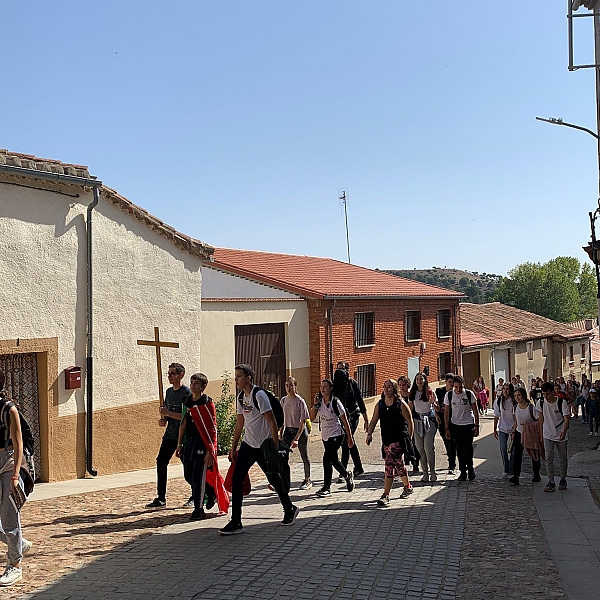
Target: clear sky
(238,122)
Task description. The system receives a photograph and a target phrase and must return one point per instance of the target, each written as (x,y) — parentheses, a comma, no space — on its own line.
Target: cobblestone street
(450,540)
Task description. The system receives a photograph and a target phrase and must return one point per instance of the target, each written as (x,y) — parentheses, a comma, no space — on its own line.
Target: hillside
(478,287)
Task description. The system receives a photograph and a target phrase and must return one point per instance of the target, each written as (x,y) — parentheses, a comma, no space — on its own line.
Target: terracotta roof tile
(49,165)
(496,323)
(322,277)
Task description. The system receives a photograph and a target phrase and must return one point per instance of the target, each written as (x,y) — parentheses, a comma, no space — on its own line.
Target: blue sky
(239,122)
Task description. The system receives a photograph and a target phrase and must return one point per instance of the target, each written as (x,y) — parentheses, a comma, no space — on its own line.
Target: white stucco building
(144,275)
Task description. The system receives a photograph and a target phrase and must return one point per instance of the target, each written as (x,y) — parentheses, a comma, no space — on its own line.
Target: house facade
(320,311)
(70,348)
(499,341)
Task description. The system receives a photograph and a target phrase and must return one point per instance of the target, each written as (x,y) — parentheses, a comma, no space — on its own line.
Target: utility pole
(344,200)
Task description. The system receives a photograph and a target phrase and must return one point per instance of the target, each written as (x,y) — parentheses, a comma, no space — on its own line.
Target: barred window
(443,323)
(413,325)
(582,351)
(529,346)
(444,365)
(364,329)
(365,376)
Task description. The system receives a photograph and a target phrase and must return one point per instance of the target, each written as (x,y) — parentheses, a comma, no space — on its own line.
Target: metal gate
(22,387)
(263,347)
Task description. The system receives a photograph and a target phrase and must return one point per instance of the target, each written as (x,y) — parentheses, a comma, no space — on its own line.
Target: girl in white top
(333,423)
(504,425)
(422,401)
(523,414)
(295,414)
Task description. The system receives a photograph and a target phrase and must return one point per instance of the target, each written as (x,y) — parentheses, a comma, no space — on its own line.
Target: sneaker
(306,485)
(471,475)
(514,480)
(562,485)
(323,492)
(232,528)
(384,501)
(291,517)
(350,481)
(271,487)
(157,503)
(189,503)
(462,477)
(451,471)
(596,434)
(536,479)
(210,502)
(505,475)
(406,492)
(26,547)
(590,434)
(358,471)
(550,486)
(11,575)
(433,477)
(340,479)
(425,478)
(198,515)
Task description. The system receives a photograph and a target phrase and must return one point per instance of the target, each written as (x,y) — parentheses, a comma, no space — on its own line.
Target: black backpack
(28,470)
(274,401)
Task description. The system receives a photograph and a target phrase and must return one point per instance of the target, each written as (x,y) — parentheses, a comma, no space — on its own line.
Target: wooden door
(263,347)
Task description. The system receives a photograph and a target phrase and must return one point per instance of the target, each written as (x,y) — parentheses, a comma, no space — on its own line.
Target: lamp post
(593,251)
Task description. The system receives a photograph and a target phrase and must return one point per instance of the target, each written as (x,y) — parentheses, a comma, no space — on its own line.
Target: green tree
(226,415)
(558,289)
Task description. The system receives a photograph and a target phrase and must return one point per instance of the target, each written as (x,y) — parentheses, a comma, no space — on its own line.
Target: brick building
(383,325)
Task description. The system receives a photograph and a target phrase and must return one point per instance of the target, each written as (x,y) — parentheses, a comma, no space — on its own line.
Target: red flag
(205,419)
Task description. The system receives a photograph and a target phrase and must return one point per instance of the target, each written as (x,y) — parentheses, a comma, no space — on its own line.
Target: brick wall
(391,351)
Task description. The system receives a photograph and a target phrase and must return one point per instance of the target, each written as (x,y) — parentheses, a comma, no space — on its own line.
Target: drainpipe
(96,185)
(330,313)
(89,409)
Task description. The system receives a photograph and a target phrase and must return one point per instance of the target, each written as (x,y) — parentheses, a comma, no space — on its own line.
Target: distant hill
(478,287)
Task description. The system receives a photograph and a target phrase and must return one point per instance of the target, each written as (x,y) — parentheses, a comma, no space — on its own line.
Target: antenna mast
(344,200)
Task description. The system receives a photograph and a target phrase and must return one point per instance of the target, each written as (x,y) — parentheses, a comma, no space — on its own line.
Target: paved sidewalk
(340,547)
(571,522)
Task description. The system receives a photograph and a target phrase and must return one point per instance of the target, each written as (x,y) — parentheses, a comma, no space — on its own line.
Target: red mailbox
(72,378)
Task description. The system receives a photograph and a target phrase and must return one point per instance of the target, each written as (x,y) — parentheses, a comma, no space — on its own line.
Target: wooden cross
(158,345)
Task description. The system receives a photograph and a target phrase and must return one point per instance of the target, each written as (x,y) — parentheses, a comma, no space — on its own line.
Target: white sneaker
(590,434)
(11,575)
(26,546)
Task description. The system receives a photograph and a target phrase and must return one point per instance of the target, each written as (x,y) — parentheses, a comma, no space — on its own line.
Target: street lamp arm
(554,121)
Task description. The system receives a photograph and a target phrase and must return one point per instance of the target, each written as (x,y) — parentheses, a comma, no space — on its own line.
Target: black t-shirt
(191,431)
(392,422)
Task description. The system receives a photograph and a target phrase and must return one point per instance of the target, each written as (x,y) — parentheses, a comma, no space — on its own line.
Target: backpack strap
(334,405)
(5,417)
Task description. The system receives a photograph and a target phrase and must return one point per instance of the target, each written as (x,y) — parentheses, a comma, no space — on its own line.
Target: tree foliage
(562,289)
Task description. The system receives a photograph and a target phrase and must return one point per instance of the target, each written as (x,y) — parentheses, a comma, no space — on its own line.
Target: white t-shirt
(330,424)
(522,415)
(294,411)
(553,419)
(256,426)
(505,413)
(462,411)
(498,391)
(421,407)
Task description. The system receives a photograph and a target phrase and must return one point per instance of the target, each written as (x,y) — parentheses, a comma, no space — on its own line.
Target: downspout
(89,408)
(330,312)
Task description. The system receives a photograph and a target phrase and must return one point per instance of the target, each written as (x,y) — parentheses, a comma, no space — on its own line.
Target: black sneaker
(323,492)
(384,501)
(291,516)
(536,479)
(189,503)
(514,480)
(157,503)
(550,486)
(471,475)
(358,471)
(232,529)
(350,481)
(462,477)
(406,492)
(198,515)
(211,501)
(562,485)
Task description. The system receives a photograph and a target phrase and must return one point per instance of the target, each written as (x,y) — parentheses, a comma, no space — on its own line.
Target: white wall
(141,280)
(216,284)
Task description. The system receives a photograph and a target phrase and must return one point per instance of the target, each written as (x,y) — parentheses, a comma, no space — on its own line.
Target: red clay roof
(315,277)
(495,323)
(49,165)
